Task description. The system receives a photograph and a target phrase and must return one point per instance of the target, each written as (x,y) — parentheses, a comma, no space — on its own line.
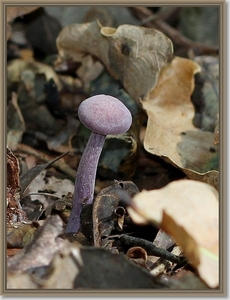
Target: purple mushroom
(103,115)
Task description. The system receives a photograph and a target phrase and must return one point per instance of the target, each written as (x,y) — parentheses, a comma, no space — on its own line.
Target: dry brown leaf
(138,255)
(84,268)
(170,131)
(63,269)
(60,273)
(188,211)
(134,55)
(40,251)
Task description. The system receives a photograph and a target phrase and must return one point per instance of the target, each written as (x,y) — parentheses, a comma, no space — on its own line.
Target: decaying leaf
(185,211)
(134,55)
(14,209)
(60,273)
(138,255)
(188,211)
(105,218)
(84,268)
(12,173)
(49,195)
(28,178)
(170,131)
(163,240)
(113,271)
(42,248)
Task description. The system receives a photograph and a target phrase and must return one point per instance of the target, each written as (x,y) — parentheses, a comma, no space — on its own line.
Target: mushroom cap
(105,115)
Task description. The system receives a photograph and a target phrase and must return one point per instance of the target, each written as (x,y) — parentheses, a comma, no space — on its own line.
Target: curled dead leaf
(138,255)
(134,55)
(170,131)
(107,215)
(188,211)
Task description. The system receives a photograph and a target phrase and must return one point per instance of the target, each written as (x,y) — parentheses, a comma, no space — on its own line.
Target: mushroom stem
(85,179)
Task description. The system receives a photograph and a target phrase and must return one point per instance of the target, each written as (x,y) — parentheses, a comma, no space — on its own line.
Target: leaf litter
(179,209)
(160,238)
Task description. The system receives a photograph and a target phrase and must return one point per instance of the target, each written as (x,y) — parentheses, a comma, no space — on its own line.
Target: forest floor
(154,220)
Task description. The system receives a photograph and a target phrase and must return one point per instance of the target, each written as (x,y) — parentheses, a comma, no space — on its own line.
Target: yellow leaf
(170,131)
